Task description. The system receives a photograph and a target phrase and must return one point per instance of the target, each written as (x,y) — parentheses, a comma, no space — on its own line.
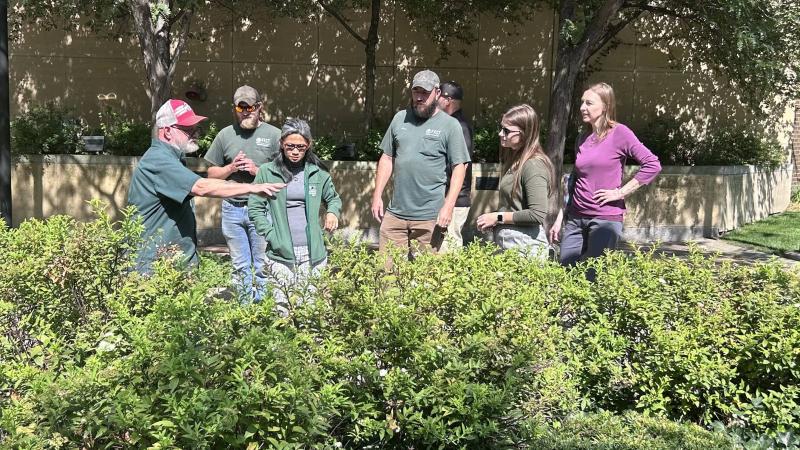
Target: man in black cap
(450,102)
(236,154)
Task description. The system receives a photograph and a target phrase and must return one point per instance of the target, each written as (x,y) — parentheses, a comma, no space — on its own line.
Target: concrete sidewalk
(725,249)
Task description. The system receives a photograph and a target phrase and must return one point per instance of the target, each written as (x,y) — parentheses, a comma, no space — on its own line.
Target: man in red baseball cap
(162,187)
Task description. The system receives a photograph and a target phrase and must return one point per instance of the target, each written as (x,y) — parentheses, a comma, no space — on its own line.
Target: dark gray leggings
(587,238)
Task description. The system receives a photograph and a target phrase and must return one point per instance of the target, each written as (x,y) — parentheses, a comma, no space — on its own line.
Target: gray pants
(291,280)
(588,238)
(531,241)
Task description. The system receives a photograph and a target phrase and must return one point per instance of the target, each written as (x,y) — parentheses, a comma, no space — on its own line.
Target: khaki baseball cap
(426,79)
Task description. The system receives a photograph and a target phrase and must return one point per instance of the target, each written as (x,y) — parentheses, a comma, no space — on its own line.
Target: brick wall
(796,144)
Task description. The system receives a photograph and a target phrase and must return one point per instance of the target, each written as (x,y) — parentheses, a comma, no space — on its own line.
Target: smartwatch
(499,217)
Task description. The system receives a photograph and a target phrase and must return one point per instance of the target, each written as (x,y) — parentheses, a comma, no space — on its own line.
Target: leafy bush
(486,143)
(475,349)
(605,431)
(47,129)
(674,144)
(210,131)
(123,136)
(691,340)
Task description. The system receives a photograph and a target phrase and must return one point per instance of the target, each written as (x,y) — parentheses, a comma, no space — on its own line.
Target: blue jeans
(247,249)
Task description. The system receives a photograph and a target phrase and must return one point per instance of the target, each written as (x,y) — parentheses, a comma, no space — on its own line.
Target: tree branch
(186,18)
(612,31)
(333,12)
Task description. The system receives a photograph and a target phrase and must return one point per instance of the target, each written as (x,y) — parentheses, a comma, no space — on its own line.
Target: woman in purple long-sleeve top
(597,196)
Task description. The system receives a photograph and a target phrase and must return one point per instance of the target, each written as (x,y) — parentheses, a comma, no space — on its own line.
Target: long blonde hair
(525,117)
(609,117)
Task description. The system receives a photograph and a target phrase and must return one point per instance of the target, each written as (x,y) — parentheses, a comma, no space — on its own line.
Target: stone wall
(682,203)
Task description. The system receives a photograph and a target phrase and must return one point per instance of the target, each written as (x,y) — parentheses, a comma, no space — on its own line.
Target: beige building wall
(314,70)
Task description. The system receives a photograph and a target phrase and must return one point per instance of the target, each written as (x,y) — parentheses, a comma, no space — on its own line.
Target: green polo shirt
(261,145)
(421,149)
(160,190)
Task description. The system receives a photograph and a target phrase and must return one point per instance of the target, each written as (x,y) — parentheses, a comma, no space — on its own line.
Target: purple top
(598,165)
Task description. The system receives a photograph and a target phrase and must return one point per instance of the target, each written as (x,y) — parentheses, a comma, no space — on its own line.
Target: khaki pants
(415,235)
(455,239)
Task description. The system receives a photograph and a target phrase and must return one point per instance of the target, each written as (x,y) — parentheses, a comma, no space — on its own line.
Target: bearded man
(420,143)
(162,187)
(236,154)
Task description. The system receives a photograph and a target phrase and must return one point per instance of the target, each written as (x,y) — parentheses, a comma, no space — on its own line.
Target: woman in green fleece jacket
(290,221)
(526,186)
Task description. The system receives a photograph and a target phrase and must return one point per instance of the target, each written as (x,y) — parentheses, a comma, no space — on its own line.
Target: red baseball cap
(177,112)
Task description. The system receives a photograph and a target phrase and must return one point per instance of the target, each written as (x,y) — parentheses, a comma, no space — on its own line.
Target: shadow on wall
(313,70)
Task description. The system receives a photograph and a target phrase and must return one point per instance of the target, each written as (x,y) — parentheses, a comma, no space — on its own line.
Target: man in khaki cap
(236,154)
(420,143)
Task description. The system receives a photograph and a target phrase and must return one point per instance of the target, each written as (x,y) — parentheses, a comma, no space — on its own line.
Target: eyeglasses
(191,132)
(301,147)
(249,108)
(505,132)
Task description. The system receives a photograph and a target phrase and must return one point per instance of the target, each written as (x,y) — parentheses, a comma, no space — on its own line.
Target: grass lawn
(777,234)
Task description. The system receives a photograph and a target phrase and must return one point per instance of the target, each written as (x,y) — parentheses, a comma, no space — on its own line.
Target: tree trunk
(160,53)
(570,61)
(370,48)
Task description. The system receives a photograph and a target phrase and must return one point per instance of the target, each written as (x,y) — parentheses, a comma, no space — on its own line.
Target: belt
(237,203)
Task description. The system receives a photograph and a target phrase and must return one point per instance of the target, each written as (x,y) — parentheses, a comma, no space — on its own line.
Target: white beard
(190,147)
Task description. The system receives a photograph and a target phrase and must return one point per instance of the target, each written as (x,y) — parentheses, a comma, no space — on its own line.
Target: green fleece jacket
(270,218)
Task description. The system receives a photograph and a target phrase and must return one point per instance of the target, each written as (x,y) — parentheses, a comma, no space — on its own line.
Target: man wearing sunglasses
(450,102)
(162,188)
(420,142)
(236,154)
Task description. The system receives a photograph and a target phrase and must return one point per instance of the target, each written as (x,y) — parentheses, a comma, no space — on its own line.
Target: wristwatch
(499,217)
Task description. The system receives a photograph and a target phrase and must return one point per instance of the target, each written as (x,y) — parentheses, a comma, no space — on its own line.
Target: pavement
(723,249)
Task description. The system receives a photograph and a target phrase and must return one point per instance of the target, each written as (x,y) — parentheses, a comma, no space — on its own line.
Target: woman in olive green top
(525,188)
(290,221)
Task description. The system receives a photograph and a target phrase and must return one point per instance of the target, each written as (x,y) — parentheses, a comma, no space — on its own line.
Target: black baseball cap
(452,89)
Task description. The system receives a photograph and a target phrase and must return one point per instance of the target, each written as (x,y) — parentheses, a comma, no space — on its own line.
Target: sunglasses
(505,132)
(300,147)
(249,108)
(192,132)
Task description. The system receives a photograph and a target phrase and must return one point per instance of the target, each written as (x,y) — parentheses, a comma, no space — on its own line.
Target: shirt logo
(263,142)
(433,133)
(312,191)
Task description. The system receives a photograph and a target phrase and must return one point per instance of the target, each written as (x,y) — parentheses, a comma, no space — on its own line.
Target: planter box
(681,204)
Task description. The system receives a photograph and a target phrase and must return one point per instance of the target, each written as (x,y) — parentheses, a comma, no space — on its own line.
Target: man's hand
(244,164)
(267,189)
(331,222)
(445,216)
(377,208)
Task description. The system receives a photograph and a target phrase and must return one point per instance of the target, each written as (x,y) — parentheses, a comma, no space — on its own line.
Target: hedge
(476,349)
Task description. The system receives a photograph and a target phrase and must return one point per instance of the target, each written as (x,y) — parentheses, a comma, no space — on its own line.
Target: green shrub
(47,129)
(674,144)
(123,136)
(210,131)
(691,340)
(486,145)
(432,358)
(474,349)
(605,431)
